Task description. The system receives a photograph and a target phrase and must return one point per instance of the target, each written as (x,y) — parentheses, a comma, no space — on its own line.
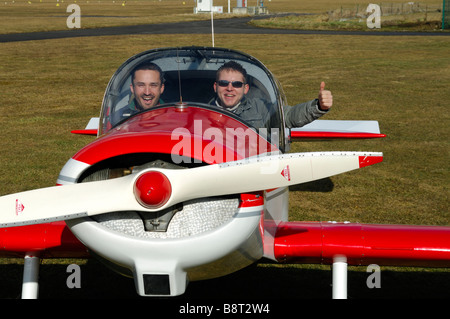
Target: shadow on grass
(324,185)
(256,282)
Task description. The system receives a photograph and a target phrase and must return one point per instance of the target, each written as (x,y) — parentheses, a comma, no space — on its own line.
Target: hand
(325,98)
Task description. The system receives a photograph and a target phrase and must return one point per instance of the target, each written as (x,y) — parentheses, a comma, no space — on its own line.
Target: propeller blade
(67,202)
(156,189)
(261,173)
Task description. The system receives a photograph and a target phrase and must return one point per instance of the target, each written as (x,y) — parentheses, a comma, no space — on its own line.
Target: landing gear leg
(339,278)
(30,285)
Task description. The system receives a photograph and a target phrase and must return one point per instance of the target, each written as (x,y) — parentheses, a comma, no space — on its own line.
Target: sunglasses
(235,84)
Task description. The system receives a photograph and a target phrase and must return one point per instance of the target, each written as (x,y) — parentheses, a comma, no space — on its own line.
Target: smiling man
(147,85)
(231,88)
(230,85)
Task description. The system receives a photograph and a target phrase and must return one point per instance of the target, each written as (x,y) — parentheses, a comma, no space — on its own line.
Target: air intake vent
(157,285)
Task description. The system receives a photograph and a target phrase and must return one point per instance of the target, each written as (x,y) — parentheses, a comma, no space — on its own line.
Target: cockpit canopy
(189,74)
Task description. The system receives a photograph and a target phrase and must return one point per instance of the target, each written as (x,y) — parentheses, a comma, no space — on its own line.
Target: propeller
(155,189)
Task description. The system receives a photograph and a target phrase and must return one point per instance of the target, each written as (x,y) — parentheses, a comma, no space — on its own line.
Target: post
(212,24)
(339,269)
(443,14)
(30,285)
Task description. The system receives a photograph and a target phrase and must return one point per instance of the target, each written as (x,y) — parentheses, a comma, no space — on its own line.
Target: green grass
(45,15)
(412,22)
(50,87)
(352,16)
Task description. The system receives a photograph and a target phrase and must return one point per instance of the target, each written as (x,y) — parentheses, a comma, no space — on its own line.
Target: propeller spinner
(152,189)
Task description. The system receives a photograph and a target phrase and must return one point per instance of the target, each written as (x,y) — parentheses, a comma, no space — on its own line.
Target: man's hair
(232,66)
(148,66)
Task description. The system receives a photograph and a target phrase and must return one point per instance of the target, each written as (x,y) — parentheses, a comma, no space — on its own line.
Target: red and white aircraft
(187,191)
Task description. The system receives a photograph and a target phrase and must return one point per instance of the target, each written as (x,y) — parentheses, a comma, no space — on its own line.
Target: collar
(238,108)
(134,105)
(228,109)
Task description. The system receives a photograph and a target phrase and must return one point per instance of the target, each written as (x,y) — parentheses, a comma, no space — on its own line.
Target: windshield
(189,76)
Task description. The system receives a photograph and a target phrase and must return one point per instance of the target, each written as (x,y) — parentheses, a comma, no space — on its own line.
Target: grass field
(353,15)
(50,87)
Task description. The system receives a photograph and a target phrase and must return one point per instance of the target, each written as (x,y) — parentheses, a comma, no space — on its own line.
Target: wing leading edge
(335,129)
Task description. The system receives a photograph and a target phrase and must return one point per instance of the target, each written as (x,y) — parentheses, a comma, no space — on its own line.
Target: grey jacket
(260,114)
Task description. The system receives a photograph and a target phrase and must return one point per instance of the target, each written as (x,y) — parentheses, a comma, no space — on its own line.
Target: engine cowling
(164,250)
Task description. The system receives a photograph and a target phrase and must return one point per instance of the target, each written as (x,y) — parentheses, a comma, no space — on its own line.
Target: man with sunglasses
(231,88)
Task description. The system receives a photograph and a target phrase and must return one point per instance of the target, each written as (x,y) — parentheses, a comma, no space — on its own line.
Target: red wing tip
(85,132)
(369,160)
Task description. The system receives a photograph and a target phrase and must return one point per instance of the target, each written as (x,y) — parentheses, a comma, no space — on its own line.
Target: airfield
(52,81)
(235,25)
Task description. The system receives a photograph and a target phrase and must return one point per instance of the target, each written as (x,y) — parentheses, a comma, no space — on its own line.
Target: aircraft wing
(333,129)
(319,129)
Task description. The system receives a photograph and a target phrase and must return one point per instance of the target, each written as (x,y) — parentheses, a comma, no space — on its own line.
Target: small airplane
(187,191)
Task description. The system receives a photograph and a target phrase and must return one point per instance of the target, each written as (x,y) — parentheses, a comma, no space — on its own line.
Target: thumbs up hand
(325,98)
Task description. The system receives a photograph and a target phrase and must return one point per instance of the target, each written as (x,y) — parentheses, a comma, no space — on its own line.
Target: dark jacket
(259,113)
